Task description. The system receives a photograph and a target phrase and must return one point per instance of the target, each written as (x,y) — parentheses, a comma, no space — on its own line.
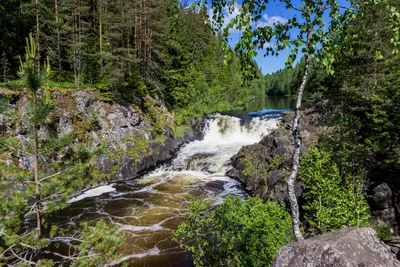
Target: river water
(149,209)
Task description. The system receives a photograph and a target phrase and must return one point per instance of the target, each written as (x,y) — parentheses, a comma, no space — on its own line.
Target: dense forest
(127,49)
(149,67)
(286,82)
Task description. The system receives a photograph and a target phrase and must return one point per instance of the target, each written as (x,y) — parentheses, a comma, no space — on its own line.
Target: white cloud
(271,21)
(229,15)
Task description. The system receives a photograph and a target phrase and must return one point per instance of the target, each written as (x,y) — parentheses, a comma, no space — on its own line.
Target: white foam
(93,192)
(131,228)
(151,252)
(223,137)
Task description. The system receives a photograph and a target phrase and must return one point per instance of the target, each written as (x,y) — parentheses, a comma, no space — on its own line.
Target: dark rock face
(278,143)
(162,154)
(383,195)
(350,247)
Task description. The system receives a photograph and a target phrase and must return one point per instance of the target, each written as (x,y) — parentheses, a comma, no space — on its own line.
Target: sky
(275,12)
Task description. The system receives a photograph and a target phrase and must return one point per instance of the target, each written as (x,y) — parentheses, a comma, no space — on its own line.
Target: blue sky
(276,12)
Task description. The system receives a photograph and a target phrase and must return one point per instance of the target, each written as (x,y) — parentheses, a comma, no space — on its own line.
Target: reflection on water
(149,209)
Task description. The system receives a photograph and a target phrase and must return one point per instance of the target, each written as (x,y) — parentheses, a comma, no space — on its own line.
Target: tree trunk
(101,35)
(37,35)
(294,206)
(58,35)
(37,182)
(140,30)
(75,43)
(4,73)
(79,45)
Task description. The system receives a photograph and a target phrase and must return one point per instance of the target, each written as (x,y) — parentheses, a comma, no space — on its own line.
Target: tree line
(127,49)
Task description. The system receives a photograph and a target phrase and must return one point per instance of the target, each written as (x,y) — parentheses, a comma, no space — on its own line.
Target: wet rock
(199,162)
(279,143)
(198,124)
(118,125)
(383,190)
(350,247)
(104,164)
(161,154)
(380,198)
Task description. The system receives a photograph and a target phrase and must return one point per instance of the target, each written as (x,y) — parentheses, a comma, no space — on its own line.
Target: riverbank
(132,141)
(263,168)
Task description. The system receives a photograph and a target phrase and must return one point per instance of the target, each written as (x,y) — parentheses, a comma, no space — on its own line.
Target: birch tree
(305,33)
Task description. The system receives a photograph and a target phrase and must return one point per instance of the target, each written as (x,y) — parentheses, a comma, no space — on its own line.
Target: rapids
(149,209)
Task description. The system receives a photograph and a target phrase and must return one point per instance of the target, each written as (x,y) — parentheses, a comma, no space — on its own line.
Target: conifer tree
(60,168)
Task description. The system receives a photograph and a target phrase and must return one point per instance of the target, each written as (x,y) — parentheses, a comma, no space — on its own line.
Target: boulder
(349,247)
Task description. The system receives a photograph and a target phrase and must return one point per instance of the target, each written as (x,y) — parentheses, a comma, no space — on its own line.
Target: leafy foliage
(287,81)
(236,233)
(331,200)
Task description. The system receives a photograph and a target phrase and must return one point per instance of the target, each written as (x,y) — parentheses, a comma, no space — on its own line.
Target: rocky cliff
(132,146)
(273,156)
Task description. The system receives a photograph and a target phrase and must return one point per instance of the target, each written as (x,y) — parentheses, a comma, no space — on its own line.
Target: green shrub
(236,233)
(332,202)
(383,230)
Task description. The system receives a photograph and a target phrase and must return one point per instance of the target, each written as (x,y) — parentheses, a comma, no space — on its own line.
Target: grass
(19,84)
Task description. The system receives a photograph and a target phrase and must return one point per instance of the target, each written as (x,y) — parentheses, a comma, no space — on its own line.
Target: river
(149,209)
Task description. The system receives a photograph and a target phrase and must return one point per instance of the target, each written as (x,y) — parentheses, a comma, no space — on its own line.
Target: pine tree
(59,169)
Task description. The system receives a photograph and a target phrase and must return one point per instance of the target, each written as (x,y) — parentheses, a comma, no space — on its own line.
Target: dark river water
(149,209)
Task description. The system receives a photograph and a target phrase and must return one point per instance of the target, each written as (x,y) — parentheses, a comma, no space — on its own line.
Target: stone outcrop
(95,122)
(279,143)
(350,247)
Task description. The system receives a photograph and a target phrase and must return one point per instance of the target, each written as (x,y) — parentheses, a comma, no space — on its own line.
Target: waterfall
(148,209)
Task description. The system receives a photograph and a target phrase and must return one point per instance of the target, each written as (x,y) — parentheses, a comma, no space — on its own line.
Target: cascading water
(150,208)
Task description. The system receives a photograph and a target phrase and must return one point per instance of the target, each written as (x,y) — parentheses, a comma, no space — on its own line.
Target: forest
(99,94)
(127,50)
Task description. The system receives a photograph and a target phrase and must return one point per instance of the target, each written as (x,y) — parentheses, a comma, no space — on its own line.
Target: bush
(236,233)
(332,202)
